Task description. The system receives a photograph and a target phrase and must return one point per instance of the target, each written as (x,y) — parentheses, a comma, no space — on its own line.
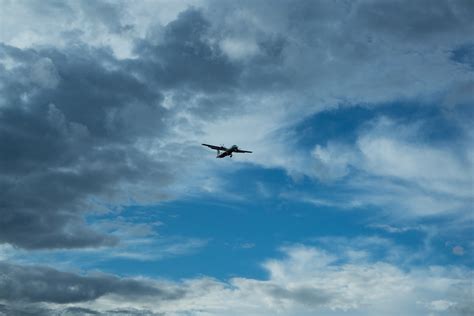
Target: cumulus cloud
(65,141)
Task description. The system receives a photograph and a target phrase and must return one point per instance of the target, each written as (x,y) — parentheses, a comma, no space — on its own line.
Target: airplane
(226,151)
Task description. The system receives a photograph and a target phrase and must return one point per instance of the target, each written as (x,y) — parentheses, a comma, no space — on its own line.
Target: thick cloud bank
(67,138)
(307,280)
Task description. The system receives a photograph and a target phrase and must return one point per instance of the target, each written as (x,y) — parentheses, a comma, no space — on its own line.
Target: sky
(356,200)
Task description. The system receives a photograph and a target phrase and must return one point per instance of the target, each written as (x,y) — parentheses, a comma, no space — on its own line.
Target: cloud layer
(305,281)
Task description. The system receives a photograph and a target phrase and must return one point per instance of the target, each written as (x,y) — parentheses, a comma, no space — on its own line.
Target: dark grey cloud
(42,284)
(22,310)
(132,312)
(67,129)
(79,311)
(36,309)
(184,56)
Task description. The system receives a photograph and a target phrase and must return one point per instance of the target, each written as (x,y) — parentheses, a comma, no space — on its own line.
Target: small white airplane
(226,151)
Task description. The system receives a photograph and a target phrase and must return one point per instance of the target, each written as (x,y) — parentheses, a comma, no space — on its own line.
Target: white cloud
(394,229)
(440,305)
(332,162)
(400,172)
(247,245)
(389,153)
(239,48)
(100,24)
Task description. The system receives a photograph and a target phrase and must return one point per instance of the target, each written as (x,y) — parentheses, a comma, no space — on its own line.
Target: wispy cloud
(390,167)
(138,242)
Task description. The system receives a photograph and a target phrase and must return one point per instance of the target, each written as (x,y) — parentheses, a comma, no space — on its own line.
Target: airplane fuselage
(226,153)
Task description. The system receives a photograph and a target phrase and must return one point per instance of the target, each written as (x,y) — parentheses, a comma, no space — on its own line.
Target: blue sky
(356,200)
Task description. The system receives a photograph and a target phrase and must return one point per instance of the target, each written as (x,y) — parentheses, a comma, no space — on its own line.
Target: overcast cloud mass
(358,112)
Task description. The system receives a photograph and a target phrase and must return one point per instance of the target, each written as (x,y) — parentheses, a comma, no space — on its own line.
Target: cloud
(406,21)
(247,245)
(67,135)
(23,310)
(185,56)
(391,166)
(306,280)
(42,284)
(137,243)
(393,229)
(332,161)
(409,159)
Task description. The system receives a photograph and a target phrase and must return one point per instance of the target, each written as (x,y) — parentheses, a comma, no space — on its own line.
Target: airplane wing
(215,147)
(242,151)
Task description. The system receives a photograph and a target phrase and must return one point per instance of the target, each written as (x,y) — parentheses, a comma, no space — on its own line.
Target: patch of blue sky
(343,124)
(243,233)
